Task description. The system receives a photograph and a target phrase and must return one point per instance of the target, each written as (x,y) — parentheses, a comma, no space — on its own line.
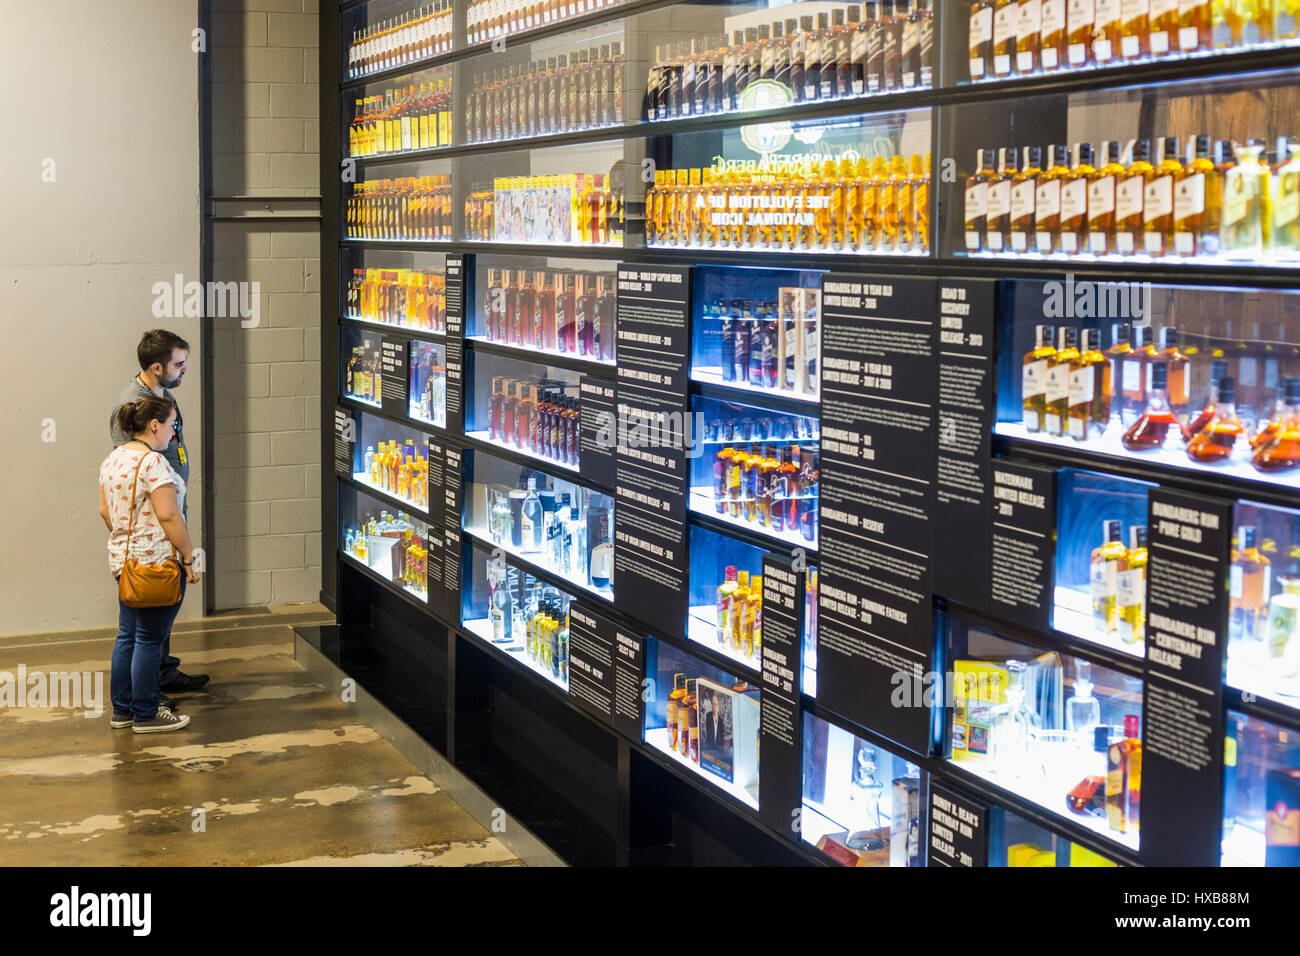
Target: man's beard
(171,383)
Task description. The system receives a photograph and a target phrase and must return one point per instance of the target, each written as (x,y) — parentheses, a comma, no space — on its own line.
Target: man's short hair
(157,345)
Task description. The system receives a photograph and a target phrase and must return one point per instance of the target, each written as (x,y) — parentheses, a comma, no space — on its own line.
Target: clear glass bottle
(1082,711)
(1220,439)
(1157,425)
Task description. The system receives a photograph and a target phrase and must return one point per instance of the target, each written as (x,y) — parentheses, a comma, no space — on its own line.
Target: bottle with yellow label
(1056,389)
(1286,198)
(749,615)
(1101,201)
(1131,588)
(1034,378)
(889,198)
(921,202)
(1158,201)
(907,206)
(1128,199)
(1108,560)
(674,702)
(855,224)
(1198,201)
(1245,200)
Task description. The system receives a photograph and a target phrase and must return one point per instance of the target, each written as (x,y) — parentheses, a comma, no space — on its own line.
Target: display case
(392,458)
(522,615)
(384,35)
(427,395)
(401,202)
(360,368)
(1046,727)
(1190,174)
(1261,801)
(551,196)
(1200,379)
(527,408)
(1101,558)
(543,520)
(1264,603)
(861,802)
(757,469)
(726,601)
(847,185)
(410,113)
(552,306)
(704,719)
(388,542)
(392,288)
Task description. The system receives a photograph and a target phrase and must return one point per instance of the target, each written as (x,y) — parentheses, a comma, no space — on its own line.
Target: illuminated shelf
(702,628)
(1047,787)
(534,560)
(533,353)
(795,253)
(701,503)
(712,375)
(1264,259)
(482,629)
(1109,444)
(1243,846)
(1249,670)
(658,739)
(363,401)
(482,436)
(1072,614)
(383,566)
(396,326)
(361,478)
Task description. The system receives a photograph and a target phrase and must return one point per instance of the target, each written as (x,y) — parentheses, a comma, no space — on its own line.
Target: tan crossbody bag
(147,585)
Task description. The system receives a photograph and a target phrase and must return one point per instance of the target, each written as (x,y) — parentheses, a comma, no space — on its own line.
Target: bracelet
(187,563)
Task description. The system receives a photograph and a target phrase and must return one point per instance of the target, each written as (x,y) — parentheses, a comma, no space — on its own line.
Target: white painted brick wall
(266,447)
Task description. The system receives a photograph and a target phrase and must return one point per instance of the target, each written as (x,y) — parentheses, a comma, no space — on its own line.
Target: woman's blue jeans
(133,682)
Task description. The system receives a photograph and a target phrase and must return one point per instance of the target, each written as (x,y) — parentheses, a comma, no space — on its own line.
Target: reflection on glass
(1261,804)
(393,545)
(1264,603)
(522,615)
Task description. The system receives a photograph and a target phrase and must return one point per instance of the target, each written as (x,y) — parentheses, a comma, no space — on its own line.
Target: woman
(158,535)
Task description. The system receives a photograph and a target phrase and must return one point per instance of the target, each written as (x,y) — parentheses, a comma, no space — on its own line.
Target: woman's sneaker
(121,721)
(163,722)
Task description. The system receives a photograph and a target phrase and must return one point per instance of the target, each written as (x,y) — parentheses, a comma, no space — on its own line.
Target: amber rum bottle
(1197,202)
(1124,779)
(1052,42)
(1024,185)
(1056,388)
(977,200)
(980,39)
(1107,561)
(1102,187)
(999,202)
(1047,213)
(1033,379)
(1089,399)
(1074,203)
(1005,19)
(1133,28)
(1158,201)
(1079,18)
(1029,25)
(1106,32)
(1128,199)
(1221,439)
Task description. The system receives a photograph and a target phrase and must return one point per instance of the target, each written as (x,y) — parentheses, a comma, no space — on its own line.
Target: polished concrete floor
(273,769)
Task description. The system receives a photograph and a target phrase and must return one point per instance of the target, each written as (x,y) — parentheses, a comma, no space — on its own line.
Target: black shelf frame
(404,506)
(1064,83)
(427,335)
(783,402)
(572,363)
(428,428)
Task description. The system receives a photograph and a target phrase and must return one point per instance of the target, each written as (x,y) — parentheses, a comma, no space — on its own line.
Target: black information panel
(961,828)
(1023,541)
(457,276)
(459,271)
(965,435)
(345,439)
(606,669)
(651,476)
(597,421)
(453,476)
(875,633)
(392,369)
(437,527)
(1182,700)
(780,785)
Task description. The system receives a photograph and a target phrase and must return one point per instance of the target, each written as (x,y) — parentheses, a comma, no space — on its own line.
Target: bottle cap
(1043,335)
(1112,529)
(1142,150)
(1171,147)
(1033,158)
(1112,151)
(855,14)
(1101,738)
(1168,337)
(1060,155)
(1227,391)
(823,21)
(1067,337)
(1159,375)
(1121,333)
(837,17)
(1291,389)
(1089,340)
(1010,157)
(1131,726)
(1085,154)
(1218,369)
(1141,336)
(1137,536)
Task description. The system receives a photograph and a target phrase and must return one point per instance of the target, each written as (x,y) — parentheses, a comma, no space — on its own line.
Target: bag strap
(131,526)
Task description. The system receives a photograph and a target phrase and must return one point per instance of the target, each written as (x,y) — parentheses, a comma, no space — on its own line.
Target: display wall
(836,382)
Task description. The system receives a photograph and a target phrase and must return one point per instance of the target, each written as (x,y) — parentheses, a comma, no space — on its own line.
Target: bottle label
(1022,200)
(1130,10)
(1077,53)
(1286,208)
(1019,241)
(1029,20)
(1101,196)
(1155,243)
(1159,42)
(1131,377)
(994,241)
(1097,243)
(1069,242)
(1081,385)
(912,37)
(1158,198)
(1235,581)
(1237,194)
(1077,428)
(1049,58)
(858,54)
(1101,50)
(1074,200)
(1130,588)
(1189,38)
(1189,196)
(1053,21)
(972,240)
(981,27)
(1057,387)
(767,60)
(1033,379)
(1004,30)
(1185,243)
(999,201)
(977,200)
(1128,198)
(1103,580)
(1108,14)
(1049,200)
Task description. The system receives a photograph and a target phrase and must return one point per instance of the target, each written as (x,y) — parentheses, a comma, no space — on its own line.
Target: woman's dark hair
(134,417)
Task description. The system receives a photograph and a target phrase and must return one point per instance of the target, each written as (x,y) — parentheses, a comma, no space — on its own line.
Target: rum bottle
(1101,201)
(1029,26)
(1133,28)
(1089,399)
(1162,27)
(1024,186)
(1047,212)
(1056,387)
(1244,203)
(1131,588)
(1079,18)
(1158,201)
(877,35)
(999,201)
(1108,560)
(1218,369)
(1280,451)
(1074,203)
(1128,199)
(1194,26)
(1033,380)
(1005,18)
(1217,440)
(1198,200)
(1248,589)
(977,199)
(893,15)
(726,602)
(1124,779)
(910,45)
(1052,36)
(1176,362)
(1125,373)
(1157,424)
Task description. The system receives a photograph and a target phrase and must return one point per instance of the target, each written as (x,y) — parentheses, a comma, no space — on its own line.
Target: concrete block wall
(266,420)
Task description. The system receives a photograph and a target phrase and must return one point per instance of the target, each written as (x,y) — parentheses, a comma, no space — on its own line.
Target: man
(162,357)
